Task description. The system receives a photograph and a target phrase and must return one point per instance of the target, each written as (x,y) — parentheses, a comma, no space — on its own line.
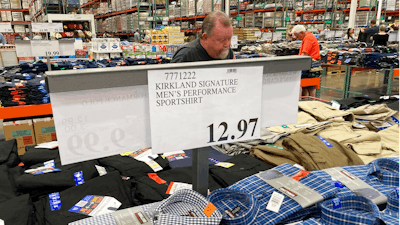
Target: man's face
(217,45)
(299,36)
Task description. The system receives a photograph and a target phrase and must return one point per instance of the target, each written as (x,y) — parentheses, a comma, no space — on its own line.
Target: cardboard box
(22,131)
(45,130)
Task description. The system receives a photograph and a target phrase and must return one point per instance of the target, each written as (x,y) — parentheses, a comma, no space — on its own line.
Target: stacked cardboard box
(25,4)
(22,131)
(249,20)
(175,36)
(238,32)
(30,132)
(200,10)
(192,4)
(16,4)
(6,16)
(248,34)
(5,4)
(17,16)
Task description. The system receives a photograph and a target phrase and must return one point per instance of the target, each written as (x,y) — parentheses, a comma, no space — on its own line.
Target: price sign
(257,34)
(45,48)
(280,97)
(165,22)
(40,27)
(6,28)
(277,36)
(203,107)
(56,27)
(165,19)
(98,123)
(47,27)
(149,18)
(234,42)
(141,23)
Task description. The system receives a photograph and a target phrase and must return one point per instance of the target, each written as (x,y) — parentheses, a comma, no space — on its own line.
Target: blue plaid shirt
(262,191)
(391,214)
(381,174)
(350,210)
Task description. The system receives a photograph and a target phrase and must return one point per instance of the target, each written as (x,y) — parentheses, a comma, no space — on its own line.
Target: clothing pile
(25,85)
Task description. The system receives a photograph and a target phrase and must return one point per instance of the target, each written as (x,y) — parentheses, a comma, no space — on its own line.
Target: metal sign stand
(200,167)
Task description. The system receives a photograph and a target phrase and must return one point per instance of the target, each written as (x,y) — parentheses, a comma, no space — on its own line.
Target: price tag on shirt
(275,202)
(6,28)
(204,107)
(45,48)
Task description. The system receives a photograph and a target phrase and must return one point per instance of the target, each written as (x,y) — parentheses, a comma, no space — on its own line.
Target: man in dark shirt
(370,31)
(214,42)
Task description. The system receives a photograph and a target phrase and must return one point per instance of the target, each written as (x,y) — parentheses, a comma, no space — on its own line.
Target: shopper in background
(147,38)
(349,34)
(368,33)
(309,44)
(381,38)
(24,37)
(136,37)
(213,44)
(309,47)
(37,36)
(2,39)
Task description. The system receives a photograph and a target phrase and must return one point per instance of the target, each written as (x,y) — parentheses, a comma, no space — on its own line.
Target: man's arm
(304,53)
(180,56)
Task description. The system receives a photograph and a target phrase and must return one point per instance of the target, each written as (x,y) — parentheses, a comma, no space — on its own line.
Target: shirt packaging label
(356,185)
(293,189)
(327,143)
(131,216)
(102,171)
(55,201)
(42,170)
(94,205)
(275,202)
(78,176)
(225,164)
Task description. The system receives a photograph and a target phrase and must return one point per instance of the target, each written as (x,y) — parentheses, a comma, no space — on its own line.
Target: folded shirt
(255,187)
(350,210)
(185,207)
(391,214)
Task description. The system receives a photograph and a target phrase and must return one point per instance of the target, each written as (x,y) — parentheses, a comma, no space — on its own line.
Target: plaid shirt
(391,214)
(386,170)
(262,191)
(354,210)
(175,210)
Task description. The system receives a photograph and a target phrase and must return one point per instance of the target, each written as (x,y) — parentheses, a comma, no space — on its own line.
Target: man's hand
(304,53)
(362,30)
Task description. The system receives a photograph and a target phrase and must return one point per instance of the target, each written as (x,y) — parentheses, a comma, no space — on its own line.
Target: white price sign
(98,123)
(6,27)
(165,19)
(56,27)
(40,27)
(280,98)
(234,42)
(141,23)
(257,34)
(192,108)
(164,22)
(47,27)
(45,48)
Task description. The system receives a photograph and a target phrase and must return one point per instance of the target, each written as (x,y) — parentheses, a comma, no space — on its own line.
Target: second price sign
(193,108)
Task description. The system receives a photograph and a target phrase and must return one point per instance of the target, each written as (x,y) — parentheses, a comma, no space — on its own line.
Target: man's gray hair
(298,28)
(210,21)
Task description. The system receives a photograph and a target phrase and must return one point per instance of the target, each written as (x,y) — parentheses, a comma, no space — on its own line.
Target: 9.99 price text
(91,140)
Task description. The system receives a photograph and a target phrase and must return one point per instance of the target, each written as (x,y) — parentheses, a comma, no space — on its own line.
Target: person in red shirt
(309,47)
